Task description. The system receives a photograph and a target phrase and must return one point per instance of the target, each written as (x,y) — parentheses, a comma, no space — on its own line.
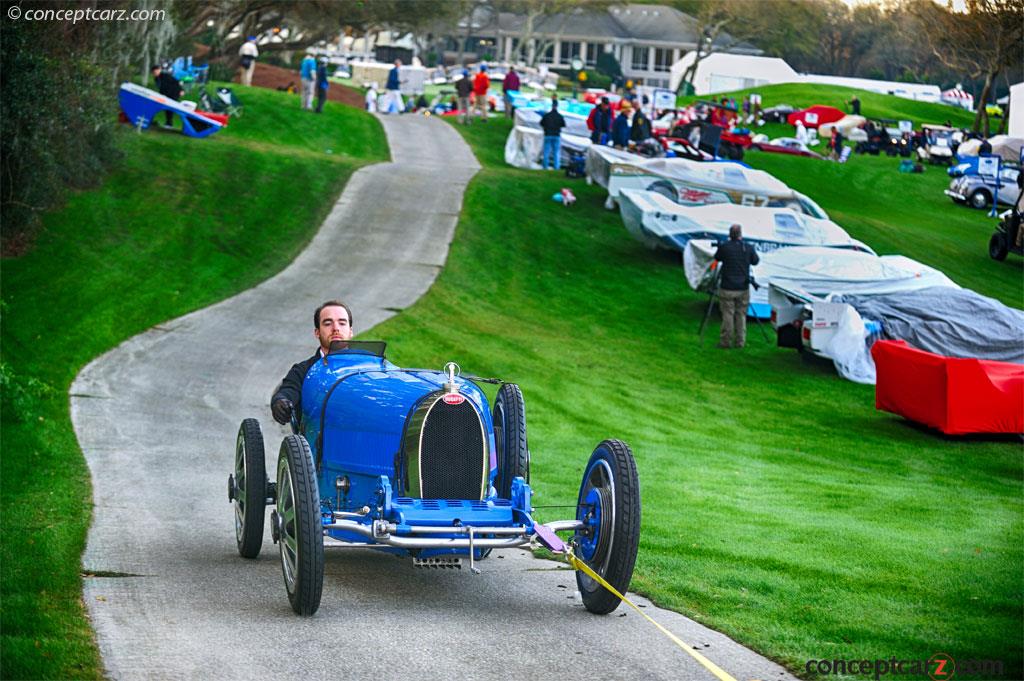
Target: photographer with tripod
(734,280)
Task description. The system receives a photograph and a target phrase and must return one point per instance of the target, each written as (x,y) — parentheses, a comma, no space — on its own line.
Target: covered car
(692,182)
(816,115)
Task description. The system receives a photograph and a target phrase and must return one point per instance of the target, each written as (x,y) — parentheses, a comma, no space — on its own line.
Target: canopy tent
(722,72)
(1016,111)
(958,97)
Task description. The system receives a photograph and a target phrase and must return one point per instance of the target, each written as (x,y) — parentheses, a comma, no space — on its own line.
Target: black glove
(282,410)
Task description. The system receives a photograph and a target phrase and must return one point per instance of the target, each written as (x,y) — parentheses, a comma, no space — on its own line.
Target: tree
(981,42)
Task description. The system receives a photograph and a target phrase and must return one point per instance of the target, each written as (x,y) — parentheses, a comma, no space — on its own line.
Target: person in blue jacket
(321,84)
(394,90)
(621,127)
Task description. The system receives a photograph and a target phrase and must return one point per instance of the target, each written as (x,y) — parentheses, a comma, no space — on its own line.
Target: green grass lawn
(872,105)
(178,225)
(778,506)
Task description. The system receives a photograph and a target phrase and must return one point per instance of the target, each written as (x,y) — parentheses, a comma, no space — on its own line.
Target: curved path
(156,418)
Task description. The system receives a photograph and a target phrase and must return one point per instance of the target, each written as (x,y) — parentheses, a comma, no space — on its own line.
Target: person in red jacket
(481,84)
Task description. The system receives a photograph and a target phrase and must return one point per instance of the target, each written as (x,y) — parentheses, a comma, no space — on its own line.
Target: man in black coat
(332,321)
(168,86)
(552,123)
(736,258)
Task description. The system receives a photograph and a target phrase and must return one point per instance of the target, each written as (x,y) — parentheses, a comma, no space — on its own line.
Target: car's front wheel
(513,454)
(609,507)
(979,199)
(299,527)
(247,488)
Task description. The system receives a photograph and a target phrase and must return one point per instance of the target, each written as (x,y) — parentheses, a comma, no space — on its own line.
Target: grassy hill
(180,224)
(873,105)
(778,505)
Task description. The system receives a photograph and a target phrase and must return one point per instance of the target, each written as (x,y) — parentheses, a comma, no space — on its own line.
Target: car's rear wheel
(979,198)
(997,246)
(513,454)
(301,532)
(247,488)
(609,506)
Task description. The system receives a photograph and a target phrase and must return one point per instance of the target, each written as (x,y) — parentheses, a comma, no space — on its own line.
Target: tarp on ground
(947,321)
(957,396)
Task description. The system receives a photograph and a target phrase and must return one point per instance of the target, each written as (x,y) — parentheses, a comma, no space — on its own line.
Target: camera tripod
(712,295)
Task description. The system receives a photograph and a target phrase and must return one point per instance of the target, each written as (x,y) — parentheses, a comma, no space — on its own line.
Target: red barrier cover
(957,396)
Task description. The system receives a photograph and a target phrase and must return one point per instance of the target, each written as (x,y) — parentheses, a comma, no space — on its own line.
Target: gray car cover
(948,321)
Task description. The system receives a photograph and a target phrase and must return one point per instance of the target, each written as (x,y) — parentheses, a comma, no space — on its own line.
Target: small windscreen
(354,347)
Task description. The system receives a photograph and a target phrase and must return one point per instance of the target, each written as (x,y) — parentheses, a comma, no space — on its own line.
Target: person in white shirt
(371,98)
(248,53)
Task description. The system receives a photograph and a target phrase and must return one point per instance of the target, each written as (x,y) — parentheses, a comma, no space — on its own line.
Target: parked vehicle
(977,191)
(777,114)
(1005,240)
(936,144)
(786,145)
(816,115)
(418,463)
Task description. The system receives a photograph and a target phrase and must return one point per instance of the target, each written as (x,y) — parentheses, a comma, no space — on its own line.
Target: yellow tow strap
(578,564)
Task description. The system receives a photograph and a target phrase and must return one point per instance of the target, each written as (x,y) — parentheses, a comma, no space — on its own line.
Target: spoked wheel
(247,488)
(513,456)
(609,506)
(301,533)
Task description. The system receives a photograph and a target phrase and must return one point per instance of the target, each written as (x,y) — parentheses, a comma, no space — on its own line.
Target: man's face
(334,326)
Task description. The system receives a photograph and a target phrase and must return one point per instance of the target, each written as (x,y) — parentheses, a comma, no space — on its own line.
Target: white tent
(1015,127)
(721,72)
(916,91)
(958,97)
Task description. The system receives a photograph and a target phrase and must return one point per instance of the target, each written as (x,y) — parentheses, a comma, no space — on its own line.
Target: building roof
(628,23)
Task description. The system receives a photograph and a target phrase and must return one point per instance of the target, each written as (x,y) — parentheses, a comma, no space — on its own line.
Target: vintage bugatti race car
(417,462)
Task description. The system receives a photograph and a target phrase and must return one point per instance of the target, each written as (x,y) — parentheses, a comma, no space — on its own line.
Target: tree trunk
(981,114)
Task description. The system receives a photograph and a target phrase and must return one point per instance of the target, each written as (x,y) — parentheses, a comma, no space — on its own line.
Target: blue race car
(417,462)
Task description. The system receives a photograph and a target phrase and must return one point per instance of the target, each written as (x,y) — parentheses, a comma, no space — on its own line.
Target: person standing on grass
(321,84)
(307,72)
(481,84)
(510,84)
(394,88)
(464,89)
(332,322)
(736,258)
(248,53)
(552,123)
(641,128)
(168,86)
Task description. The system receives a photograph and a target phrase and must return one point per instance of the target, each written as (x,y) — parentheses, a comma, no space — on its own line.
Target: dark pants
(321,97)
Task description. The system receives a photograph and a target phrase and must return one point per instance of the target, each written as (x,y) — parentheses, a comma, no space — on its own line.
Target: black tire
(997,246)
(513,454)
(249,493)
(302,540)
(979,199)
(610,483)
(665,188)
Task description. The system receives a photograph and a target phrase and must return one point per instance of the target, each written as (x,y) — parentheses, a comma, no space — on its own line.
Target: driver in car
(332,321)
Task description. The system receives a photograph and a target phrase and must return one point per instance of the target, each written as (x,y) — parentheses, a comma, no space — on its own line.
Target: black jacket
(291,385)
(168,85)
(641,127)
(464,86)
(552,123)
(736,257)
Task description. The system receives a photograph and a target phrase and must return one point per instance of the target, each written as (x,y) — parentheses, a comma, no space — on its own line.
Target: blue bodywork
(355,408)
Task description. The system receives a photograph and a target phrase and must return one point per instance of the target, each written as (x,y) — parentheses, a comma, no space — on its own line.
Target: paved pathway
(157,417)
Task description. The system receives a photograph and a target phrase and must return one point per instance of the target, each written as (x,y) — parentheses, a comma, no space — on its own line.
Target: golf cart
(936,144)
(1006,238)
